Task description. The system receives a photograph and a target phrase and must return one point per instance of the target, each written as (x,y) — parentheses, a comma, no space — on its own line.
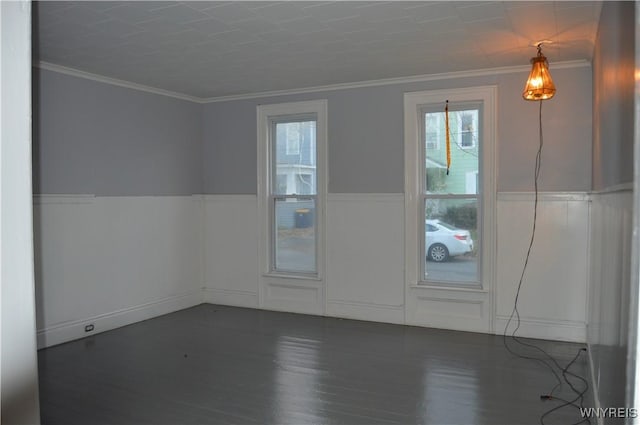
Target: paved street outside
(296,250)
(457,269)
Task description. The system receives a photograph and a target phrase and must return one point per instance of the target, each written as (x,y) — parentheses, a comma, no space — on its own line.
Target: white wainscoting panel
(608,330)
(299,296)
(611,253)
(365,256)
(365,266)
(231,250)
(446,308)
(70,330)
(111,261)
(552,301)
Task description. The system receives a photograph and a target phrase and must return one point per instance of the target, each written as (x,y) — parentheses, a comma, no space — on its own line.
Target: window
(451,239)
(471,182)
(293,228)
(468,128)
(448,214)
(281,184)
(291,186)
(432,131)
(292,138)
(305,184)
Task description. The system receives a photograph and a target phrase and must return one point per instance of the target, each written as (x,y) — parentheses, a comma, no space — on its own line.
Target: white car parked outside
(443,241)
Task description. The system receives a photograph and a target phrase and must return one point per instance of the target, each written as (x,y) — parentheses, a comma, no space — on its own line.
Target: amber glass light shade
(539,85)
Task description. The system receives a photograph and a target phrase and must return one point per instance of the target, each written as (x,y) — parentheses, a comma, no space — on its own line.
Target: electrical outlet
(89,328)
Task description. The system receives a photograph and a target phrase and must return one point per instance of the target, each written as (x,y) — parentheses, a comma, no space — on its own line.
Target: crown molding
(331,87)
(398,80)
(114,81)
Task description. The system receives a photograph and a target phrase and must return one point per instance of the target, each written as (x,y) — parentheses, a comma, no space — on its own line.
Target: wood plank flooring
(224,365)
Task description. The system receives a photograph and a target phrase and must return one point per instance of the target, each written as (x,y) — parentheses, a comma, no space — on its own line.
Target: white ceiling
(213,49)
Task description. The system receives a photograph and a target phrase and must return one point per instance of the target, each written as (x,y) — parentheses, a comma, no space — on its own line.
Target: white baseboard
(69,331)
(367,312)
(231,297)
(545,329)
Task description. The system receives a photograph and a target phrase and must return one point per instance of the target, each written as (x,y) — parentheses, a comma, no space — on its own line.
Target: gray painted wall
(366,136)
(96,138)
(613,81)
(90,137)
(613,130)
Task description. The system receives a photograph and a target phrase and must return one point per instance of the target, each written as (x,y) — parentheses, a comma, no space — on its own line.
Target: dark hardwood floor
(220,365)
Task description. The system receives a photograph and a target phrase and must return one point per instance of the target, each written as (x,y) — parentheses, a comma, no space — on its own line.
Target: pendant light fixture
(539,85)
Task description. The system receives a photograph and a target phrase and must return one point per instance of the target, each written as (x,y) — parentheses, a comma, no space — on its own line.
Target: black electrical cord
(547,360)
(572,403)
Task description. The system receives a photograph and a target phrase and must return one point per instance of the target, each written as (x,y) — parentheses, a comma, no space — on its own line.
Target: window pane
(464,148)
(295,238)
(434,127)
(304,183)
(451,240)
(295,154)
(468,128)
(281,184)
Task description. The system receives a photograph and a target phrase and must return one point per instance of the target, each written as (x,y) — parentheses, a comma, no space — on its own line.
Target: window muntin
(451,203)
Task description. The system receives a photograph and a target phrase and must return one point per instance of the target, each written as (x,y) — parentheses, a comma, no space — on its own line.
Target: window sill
(292,276)
(475,289)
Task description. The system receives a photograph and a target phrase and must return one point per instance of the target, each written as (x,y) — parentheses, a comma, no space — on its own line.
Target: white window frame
(414,103)
(266,114)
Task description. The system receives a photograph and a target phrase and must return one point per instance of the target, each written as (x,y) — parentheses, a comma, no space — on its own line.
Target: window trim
(414,102)
(266,114)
